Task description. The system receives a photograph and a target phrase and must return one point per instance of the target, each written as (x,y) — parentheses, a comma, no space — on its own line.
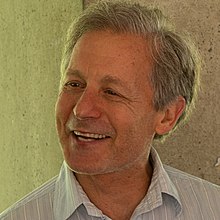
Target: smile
(89,136)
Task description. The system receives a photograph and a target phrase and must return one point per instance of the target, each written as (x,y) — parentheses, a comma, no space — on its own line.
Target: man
(127,78)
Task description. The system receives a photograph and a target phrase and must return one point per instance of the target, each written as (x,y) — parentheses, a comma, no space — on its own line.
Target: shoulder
(38,200)
(181,178)
(197,195)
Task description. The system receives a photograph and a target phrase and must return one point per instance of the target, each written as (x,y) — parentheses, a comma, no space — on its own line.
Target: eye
(111,92)
(73,84)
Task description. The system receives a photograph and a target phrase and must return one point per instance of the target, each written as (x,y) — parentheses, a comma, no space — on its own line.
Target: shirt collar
(161,185)
(68,194)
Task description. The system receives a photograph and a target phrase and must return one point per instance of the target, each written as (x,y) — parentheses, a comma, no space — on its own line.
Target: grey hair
(176,62)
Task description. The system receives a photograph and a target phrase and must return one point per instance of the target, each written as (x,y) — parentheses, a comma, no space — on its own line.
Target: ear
(170,115)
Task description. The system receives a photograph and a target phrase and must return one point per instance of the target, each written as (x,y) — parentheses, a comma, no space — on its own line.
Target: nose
(87,106)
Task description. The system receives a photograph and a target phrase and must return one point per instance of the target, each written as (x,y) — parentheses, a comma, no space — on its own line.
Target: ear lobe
(170,116)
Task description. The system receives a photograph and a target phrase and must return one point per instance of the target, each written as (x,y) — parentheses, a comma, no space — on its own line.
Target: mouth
(88,137)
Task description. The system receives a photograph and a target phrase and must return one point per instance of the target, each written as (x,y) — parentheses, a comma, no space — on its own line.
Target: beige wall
(195,147)
(30,50)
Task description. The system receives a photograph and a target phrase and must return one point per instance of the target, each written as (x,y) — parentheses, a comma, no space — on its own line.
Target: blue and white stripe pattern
(172,195)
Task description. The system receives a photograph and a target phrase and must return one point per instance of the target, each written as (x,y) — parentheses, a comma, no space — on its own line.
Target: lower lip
(86,139)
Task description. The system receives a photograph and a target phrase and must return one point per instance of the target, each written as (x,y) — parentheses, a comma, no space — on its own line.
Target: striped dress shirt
(172,195)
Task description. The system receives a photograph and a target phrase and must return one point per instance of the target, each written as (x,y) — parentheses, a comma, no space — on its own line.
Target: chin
(83,166)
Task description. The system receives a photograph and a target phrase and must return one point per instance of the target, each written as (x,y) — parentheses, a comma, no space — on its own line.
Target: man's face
(104,114)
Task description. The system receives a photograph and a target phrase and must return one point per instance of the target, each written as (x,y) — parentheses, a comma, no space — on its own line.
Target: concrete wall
(30,50)
(194,148)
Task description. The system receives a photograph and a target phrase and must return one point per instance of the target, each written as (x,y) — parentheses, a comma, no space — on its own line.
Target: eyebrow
(109,79)
(77,73)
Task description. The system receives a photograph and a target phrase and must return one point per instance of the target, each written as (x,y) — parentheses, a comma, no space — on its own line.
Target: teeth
(96,136)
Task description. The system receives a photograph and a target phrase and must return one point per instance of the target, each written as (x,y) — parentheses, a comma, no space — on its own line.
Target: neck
(117,194)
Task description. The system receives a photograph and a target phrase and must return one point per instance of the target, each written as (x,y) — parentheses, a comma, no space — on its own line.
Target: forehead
(107,52)
(100,38)
(114,45)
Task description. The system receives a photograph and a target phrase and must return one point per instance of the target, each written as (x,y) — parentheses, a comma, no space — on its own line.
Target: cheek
(135,129)
(63,110)
(125,127)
